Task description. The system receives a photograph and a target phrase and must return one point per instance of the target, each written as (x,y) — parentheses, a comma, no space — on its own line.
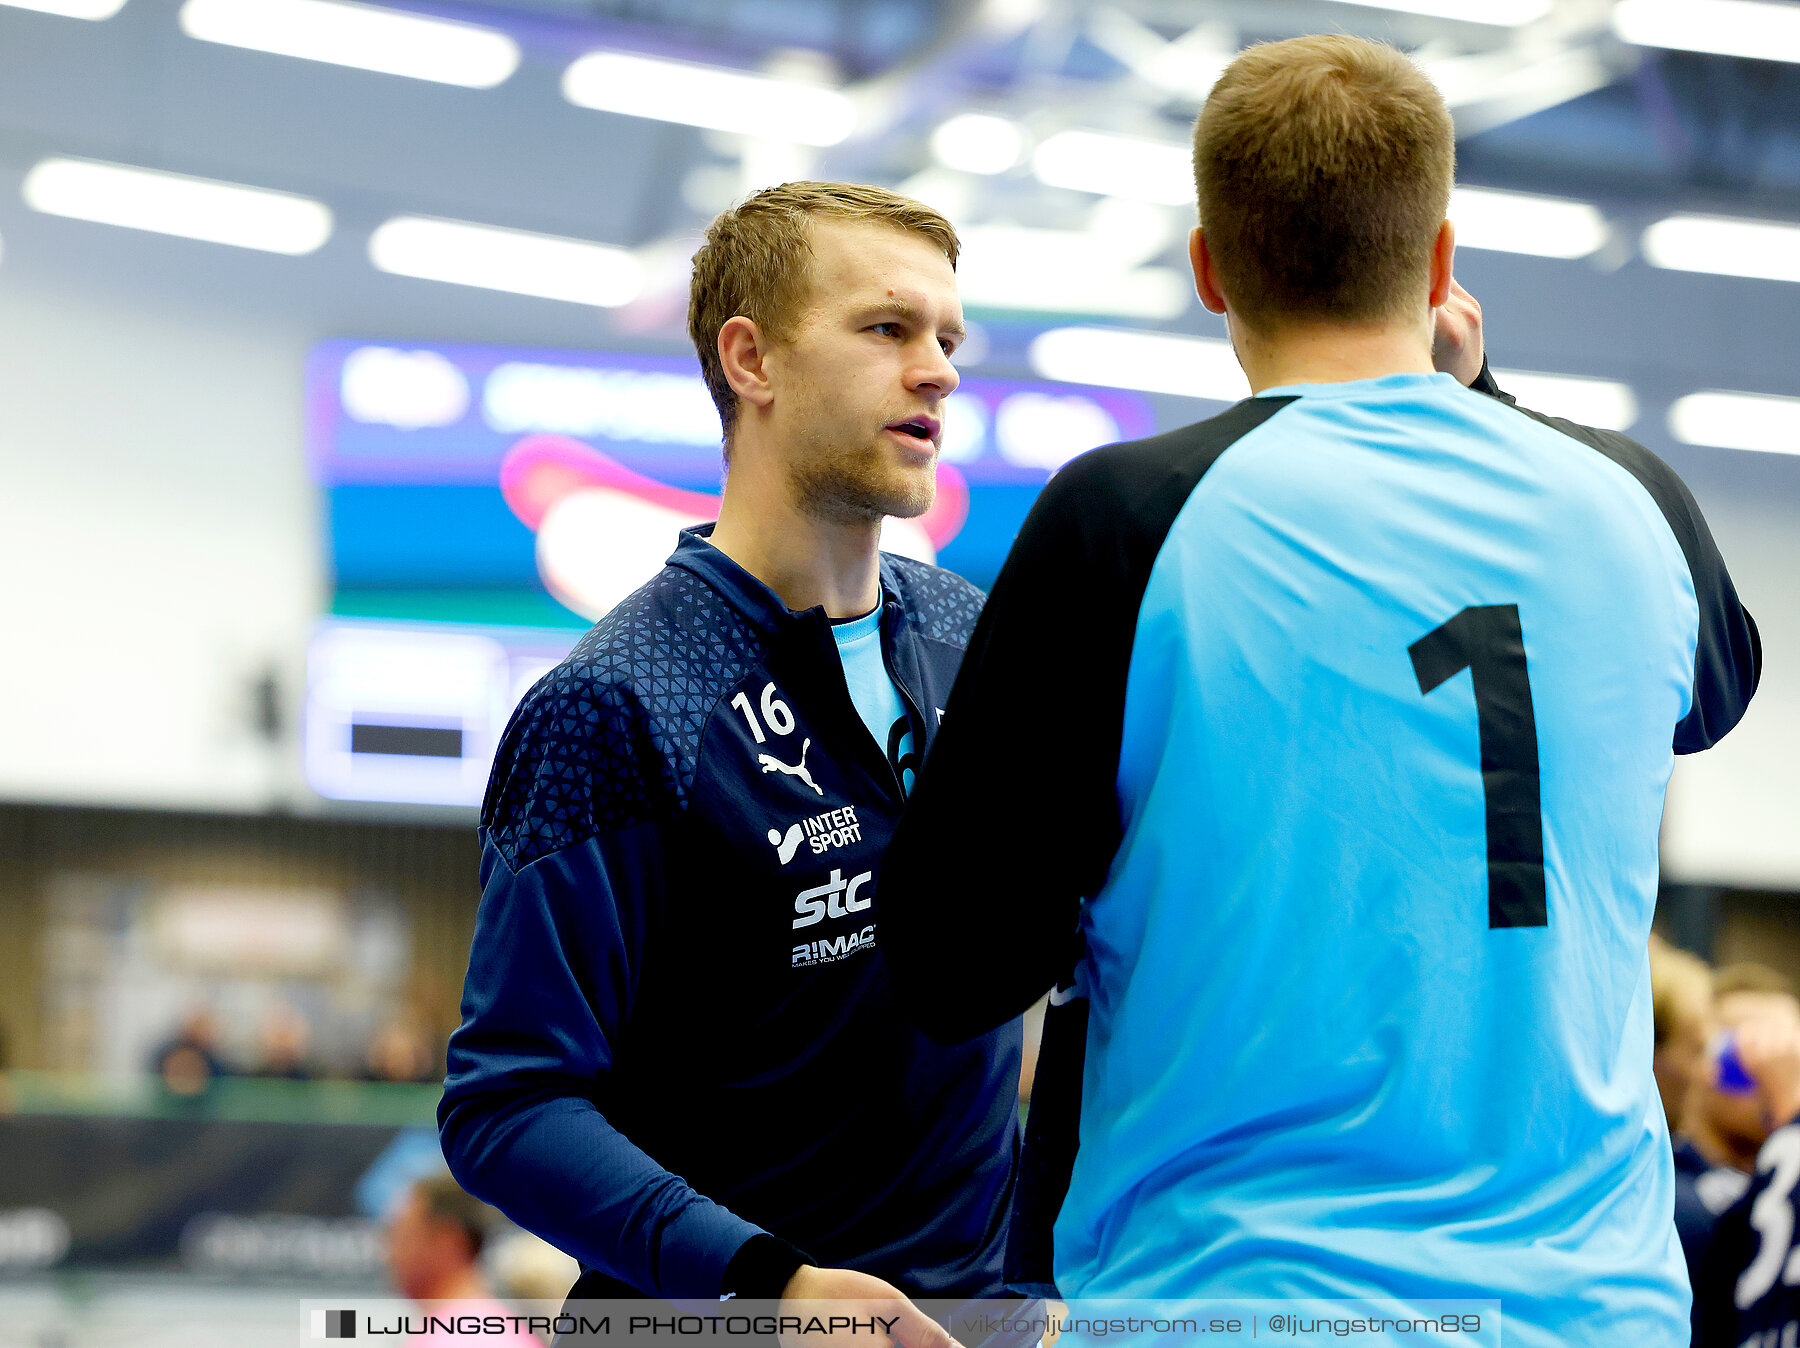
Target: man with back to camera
(679,1059)
(1339,727)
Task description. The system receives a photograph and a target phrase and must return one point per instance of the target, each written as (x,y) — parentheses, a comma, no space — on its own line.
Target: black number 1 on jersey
(1487,641)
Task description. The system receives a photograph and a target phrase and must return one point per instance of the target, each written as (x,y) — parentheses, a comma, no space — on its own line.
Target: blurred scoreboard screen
(485,505)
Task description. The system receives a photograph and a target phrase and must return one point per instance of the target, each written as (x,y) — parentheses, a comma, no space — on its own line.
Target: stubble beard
(845,486)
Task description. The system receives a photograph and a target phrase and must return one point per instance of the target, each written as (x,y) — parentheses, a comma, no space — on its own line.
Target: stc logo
(835,898)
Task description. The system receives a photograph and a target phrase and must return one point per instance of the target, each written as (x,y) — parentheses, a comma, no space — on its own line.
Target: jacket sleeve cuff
(761,1268)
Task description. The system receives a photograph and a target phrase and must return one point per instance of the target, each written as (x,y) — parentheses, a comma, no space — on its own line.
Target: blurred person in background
(1749,988)
(1726,1118)
(1337,730)
(283,1042)
(1681,996)
(1748,1292)
(188,1063)
(434,1241)
(398,1050)
(680,1059)
(1727,1127)
(528,1268)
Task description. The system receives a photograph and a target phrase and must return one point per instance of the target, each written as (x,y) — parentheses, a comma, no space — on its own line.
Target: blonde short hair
(756,262)
(1323,168)
(1749,976)
(1681,989)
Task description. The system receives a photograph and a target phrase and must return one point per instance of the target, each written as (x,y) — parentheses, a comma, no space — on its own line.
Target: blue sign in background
(407,442)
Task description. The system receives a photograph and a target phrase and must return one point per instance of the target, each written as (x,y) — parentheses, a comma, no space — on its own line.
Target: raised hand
(1456,345)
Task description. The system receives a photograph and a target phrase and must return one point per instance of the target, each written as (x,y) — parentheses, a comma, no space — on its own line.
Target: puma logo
(785,847)
(772,764)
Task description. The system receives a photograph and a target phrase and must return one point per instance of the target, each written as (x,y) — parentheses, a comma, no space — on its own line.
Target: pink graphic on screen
(603,529)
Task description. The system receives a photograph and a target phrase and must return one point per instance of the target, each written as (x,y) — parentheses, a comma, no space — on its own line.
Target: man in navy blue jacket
(680,1058)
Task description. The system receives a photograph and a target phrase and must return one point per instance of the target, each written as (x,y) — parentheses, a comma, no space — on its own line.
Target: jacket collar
(744,592)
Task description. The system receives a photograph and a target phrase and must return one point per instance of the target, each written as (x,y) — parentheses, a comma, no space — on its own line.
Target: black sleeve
(1728,655)
(1484,383)
(1015,817)
(761,1268)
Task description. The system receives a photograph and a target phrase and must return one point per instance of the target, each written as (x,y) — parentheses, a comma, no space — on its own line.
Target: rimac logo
(830,949)
(835,898)
(334,1324)
(822,832)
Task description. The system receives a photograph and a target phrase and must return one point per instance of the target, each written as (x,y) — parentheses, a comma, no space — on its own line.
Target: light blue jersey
(873,694)
(1383,734)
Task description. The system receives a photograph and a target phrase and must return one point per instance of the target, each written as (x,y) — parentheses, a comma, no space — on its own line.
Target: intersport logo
(822,832)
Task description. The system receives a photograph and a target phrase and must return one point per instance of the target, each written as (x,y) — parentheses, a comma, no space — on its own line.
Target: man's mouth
(920,428)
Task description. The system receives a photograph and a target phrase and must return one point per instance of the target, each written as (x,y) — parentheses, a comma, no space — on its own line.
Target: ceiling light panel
(1523,222)
(1725,246)
(1722,27)
(1117,166)
(1605,403)
(1098,271)
(978,142)
(1500,13)
(514,260)
(172,203)
(711,97)
(362,36)
(1156,362)
(1753,421)
(70,9)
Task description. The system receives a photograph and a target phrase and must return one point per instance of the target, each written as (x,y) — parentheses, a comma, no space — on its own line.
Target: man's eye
(889,329)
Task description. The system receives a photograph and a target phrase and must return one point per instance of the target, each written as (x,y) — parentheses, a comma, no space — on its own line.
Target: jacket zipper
(915,718)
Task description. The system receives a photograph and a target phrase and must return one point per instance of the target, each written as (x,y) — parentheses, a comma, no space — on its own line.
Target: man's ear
(1206,280)
(744,355)
(1443,259)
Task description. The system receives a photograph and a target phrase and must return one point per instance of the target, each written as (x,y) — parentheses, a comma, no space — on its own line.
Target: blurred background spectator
(434,1241)
(1727,1125)
(526,1268)
(399,1051)
(283,1042)
(1682,999)
(189,1063)
(1720,1114)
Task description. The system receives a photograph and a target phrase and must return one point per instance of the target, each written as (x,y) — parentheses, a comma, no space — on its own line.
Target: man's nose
(935,371)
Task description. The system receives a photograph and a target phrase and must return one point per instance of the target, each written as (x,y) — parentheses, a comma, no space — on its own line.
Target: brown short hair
(756,262)
(445,1200)
(1323,168)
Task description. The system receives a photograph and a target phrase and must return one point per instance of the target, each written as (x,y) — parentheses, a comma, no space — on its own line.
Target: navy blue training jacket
(678,1030)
